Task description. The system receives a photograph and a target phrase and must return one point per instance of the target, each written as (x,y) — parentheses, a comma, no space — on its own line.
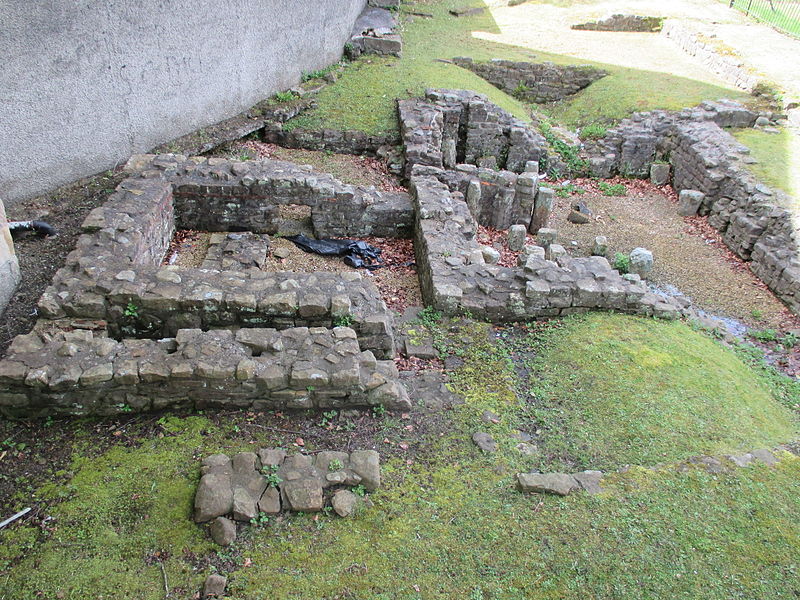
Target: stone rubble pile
(249,484)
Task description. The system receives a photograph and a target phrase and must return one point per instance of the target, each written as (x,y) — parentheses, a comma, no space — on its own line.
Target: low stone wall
(706,158)
(450,127)
(534,82)
(334,140)
(9,267)
(624,23)
(78,373)
(729,68)
(454,277)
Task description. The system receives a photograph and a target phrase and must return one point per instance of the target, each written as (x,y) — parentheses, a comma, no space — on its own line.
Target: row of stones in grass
(534,82)
(455,278)
(563,484)
(215,194)
(704,157)
(449,127)
(268,481)
(76,372)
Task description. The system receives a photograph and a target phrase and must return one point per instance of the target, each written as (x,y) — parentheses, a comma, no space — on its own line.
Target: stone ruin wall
(148,319)
(704,157)
(534,82)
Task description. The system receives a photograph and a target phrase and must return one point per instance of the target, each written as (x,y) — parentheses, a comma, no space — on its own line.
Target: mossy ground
(447,522)
(364,98)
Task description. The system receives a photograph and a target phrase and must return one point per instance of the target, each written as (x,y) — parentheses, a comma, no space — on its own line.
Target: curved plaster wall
(86,84)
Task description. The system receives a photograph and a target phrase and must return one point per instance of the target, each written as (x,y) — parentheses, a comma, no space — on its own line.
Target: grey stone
(490,255)
(765,456)
(689,202)
(762,121)
(344,502)
(600,246)
(270,501)
(542,208)
(590,481)
(223,531)
(516,237)
(214,586)
(546,237)
(244,505)
(659,174)
(281,253)
(641,261)
(578,218)
(214,497)
(366,464)
(303,495)
(527,449)
(555,251)
(484,441)
(551,483)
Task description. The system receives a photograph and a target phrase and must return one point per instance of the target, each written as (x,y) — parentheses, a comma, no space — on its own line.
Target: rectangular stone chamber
(115,283)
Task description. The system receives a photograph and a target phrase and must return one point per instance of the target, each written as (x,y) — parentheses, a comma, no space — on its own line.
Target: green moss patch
(612,390)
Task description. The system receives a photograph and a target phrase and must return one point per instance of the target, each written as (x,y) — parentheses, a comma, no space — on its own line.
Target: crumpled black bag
(359,255)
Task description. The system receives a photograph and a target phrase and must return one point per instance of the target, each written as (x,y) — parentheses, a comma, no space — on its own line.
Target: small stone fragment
(223,531)
(516,237)
(344,503)
(214,587)
(600,246)
(484,441)
(551,483)
(490,255)
(689,202)
(641,262)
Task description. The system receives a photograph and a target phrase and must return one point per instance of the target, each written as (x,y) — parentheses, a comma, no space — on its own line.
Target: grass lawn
(773,155)
(364,97)
(611,390)
(447,522)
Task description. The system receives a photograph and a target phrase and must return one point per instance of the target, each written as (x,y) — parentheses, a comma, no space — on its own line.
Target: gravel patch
(689,254)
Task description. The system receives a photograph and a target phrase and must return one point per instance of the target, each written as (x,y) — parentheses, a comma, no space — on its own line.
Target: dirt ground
(689,254)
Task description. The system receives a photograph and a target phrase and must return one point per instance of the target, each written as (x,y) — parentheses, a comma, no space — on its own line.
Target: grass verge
(611,390)
(364,96)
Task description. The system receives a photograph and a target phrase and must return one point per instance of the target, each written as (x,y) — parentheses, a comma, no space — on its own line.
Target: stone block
(516,238)
(641,262)
(689,202)
(659,174)
(551,483)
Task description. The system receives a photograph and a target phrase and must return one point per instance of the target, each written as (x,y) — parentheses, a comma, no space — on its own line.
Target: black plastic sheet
(357,254)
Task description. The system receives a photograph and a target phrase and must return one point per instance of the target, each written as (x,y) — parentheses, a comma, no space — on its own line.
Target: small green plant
(429,317)
(327,418)
(622,262)
(568,189)
(521,90)
(261,520)
(764,335)
(595,131)
(757,314)
(343,321)
(131,311)
(335,465)
(612,189)
(360,490)
(270,473)
(379,410)
(286,96)
(790,340)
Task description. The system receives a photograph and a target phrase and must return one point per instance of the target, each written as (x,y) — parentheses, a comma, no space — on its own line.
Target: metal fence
(781,14)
